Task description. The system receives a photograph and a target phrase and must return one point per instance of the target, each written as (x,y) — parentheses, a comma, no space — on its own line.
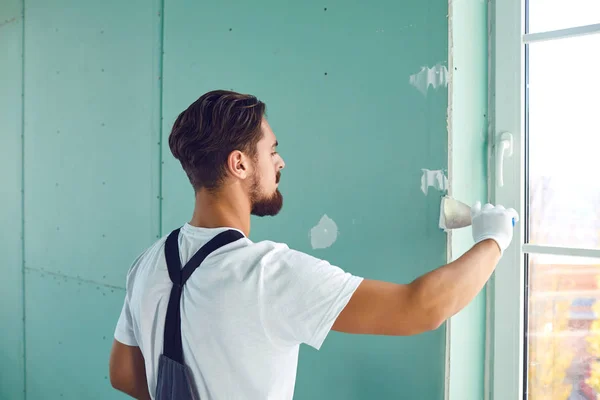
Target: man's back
(244,312)
(248,307)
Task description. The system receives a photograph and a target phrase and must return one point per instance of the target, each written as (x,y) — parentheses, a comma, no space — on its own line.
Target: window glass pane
(563,328)
(564,142)
(549,15)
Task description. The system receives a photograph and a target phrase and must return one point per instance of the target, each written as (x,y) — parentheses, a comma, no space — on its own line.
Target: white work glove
(494,223)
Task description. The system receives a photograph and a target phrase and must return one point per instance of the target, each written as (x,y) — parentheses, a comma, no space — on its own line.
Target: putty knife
(455,214)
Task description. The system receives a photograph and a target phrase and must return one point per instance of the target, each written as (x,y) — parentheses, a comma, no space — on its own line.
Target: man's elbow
(434,324)
(426,322)
(123,385)
(427,314)
(119,378)
(117,381)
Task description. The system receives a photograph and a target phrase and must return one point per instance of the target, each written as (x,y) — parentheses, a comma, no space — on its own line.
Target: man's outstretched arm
(384,308)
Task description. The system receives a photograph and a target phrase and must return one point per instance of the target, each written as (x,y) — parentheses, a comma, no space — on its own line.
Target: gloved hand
(494,223)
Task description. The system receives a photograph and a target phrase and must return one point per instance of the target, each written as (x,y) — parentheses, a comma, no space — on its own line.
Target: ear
(238,164)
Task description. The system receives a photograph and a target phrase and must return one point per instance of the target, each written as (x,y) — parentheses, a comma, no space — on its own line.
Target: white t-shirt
(244,313)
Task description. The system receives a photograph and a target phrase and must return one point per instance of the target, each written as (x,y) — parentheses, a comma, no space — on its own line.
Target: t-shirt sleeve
(124,331)
(302,296)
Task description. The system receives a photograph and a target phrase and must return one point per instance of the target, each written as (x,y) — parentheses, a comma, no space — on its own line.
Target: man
(247,308)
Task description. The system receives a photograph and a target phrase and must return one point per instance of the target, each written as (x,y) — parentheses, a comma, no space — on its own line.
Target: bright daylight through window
(558,193)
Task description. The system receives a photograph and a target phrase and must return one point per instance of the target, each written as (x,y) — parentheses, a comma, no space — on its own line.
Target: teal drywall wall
(99,183)
(11,283)
(336,84)
(468,174)
(91,182)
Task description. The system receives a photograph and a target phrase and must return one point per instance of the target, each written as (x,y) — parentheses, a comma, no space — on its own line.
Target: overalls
(174,380)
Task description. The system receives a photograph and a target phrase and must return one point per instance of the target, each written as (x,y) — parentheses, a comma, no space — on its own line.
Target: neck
(222,209)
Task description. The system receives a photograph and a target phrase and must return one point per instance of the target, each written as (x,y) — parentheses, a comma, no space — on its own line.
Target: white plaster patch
(435,179)
(436,76)
(324,234)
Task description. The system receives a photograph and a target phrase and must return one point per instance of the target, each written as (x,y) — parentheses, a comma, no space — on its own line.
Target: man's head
(224,140)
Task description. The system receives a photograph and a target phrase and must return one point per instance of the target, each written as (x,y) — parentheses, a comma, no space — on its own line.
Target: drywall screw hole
(230,29)
(102,124)
(325,9)
(325,73)
(101,32)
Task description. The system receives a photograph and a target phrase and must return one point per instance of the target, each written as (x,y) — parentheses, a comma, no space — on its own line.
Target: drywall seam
(436,76)
(73,278)
(161,31)
(324,234)
(450,178)
(23,286)
(433,178)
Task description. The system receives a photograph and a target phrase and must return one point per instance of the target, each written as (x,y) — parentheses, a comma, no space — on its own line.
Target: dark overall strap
(172,335)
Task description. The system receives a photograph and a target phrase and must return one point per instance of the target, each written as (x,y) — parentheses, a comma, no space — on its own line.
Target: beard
(265,205)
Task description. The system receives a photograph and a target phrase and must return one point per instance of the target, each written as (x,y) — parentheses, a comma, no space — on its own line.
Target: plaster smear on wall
(433,178)
(324,234)
(436,76)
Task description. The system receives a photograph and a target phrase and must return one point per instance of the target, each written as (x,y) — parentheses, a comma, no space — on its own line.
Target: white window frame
(507,38)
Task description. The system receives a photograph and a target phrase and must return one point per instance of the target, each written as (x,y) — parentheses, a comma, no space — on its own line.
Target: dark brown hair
(213,126)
